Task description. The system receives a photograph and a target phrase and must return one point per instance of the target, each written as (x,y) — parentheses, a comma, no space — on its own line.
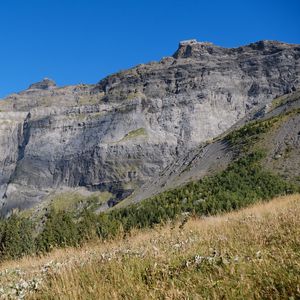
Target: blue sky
(73,41)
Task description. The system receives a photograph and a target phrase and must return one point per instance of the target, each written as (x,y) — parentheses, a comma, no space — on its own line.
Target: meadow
(253,253)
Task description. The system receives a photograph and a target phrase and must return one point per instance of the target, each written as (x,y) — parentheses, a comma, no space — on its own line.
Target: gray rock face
(121,132)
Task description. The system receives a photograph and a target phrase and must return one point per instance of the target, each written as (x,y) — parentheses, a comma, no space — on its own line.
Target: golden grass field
(249,254)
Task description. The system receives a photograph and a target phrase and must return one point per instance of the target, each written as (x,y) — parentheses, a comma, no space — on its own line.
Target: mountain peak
(193,48)
(45,84)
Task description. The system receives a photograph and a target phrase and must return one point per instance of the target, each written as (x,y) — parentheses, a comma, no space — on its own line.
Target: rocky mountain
(121,133)
(275,131)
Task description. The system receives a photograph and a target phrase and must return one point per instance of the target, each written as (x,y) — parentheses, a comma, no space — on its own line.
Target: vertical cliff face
(119,133)
(12,125)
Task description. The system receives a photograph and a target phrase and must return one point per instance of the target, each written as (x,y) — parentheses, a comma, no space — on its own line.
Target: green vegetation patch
(66,201)
(72,200)
(16,237)
(254,131)
(140,132)
(251,132)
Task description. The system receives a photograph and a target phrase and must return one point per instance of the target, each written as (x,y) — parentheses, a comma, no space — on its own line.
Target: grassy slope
(250,254)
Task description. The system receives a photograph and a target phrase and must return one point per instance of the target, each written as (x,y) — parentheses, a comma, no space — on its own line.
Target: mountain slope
(262,162)
(249,254)
(280,140)
(118,134)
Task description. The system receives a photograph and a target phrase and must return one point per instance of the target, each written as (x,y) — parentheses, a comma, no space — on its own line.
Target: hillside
(274,129)
(114,136)
(254,161)
(249,254)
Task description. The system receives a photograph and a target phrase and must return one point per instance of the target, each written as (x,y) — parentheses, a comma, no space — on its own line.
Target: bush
(60,230)
(16,238)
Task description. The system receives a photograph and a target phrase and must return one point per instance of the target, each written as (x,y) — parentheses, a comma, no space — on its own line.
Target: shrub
(16,238)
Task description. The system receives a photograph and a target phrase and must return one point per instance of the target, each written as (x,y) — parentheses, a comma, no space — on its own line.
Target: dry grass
(250,254)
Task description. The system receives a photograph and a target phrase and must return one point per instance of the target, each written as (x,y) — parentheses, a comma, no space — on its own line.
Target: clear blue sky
(75,41)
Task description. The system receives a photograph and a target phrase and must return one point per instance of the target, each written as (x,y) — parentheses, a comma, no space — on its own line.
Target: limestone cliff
(120,133)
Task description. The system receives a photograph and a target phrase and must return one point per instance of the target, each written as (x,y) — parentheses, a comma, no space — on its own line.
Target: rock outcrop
(120,133)
(45,84)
